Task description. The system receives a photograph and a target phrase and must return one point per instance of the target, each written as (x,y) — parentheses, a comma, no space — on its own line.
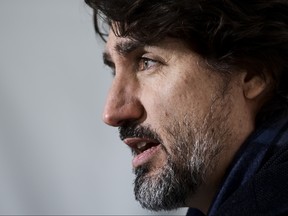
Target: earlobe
(254,86)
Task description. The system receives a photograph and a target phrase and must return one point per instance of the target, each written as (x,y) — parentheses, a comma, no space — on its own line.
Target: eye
(111,70)
(110,65)
(146,63)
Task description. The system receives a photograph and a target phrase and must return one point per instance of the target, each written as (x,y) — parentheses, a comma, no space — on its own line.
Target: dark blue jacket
(256,184)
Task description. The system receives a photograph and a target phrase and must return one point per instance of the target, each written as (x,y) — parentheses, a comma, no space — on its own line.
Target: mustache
(134,130)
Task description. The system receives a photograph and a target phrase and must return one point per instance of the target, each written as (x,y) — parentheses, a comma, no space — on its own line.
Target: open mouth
(144,149)
(140,145)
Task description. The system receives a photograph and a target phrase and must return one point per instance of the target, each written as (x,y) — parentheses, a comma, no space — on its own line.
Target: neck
(203,197)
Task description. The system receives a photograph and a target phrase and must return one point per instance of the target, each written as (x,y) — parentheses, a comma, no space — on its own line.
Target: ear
(254,85)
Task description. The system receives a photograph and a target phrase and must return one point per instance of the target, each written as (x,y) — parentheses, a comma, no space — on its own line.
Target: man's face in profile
(179,118)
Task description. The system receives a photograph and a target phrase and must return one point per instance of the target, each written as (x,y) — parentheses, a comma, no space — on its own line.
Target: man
(200,96)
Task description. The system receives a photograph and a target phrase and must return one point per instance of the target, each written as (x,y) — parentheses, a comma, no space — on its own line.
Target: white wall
(56,156)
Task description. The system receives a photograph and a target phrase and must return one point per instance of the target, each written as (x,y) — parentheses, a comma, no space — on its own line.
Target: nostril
(110,120)
(113,120)
(116,113)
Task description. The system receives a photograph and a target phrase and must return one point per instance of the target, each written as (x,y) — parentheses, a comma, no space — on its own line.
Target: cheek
(164,106)
(171,97)
(181,100)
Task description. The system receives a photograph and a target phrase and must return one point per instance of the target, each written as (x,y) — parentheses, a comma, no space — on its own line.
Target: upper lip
(140,144)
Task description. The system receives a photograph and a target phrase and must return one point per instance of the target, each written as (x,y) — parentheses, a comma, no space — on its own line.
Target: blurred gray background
(56,156)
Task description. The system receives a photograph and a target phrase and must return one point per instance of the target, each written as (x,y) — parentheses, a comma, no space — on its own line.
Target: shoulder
(266,193)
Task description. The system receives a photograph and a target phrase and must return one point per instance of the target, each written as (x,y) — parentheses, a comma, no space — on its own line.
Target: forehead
(111,40)
(123,46)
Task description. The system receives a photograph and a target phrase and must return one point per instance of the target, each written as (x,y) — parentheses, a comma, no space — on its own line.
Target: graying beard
(188,163)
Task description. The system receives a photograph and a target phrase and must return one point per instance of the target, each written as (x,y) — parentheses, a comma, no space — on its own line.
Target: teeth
(141,145)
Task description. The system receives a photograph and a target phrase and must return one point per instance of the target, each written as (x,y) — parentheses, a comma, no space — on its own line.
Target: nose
(122,104)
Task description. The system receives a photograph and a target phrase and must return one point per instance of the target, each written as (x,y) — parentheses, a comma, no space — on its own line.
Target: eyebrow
(126,47)
(123,48)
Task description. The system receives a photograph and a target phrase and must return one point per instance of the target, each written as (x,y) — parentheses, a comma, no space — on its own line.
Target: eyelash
(143,61)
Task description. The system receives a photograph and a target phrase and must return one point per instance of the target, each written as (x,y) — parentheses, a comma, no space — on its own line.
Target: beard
(195,145)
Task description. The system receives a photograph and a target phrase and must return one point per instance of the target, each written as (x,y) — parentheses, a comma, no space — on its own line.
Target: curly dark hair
(229,34)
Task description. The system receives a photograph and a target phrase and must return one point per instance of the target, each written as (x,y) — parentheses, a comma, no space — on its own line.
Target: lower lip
(145,156)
